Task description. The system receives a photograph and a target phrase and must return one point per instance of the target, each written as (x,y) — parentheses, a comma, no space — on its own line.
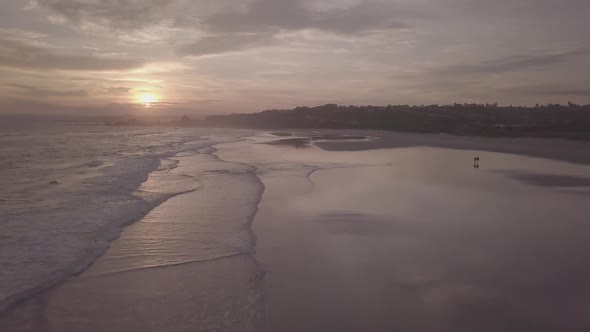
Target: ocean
(68,189)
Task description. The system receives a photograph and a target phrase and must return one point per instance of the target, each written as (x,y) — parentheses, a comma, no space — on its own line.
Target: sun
(147,99)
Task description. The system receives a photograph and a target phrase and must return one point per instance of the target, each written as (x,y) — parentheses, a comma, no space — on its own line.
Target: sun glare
(147,99)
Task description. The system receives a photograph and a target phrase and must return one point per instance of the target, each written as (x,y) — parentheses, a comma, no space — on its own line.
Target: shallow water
(67,190)
(188,265)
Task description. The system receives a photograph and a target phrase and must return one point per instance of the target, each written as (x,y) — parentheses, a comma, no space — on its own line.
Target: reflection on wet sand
(419,241)
(548,180)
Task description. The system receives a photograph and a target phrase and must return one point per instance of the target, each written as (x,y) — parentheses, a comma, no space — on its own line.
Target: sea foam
(67,193)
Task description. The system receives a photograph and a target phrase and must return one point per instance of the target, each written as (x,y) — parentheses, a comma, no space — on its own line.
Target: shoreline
(112,231)
(274,223)
(50,301)
(549,148)
(152,199)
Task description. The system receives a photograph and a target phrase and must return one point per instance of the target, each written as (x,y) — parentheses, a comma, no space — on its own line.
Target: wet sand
(405,239)
(416,239)
(557,149)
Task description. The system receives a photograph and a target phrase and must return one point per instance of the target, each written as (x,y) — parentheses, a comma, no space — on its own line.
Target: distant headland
(569,121)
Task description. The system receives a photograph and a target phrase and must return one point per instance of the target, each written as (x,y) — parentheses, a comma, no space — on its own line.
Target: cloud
(119,14)
(224,43)
(519,8)
(223,26)
(117,90)
(41,92)
(186,103)
(265,15)
(515,63)
(259,23)
(23,54)
(228,17)
(13,33)
(315,49)
(550,90)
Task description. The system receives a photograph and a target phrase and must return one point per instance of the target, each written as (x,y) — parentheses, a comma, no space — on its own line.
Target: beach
(416,239)
(374,231)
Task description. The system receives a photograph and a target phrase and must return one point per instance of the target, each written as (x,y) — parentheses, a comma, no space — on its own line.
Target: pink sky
(220,56)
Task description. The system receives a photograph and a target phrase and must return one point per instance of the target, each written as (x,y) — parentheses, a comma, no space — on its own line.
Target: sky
(223,56)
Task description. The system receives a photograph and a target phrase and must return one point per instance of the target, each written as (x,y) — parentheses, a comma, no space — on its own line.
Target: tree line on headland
(571,121)
(564,121)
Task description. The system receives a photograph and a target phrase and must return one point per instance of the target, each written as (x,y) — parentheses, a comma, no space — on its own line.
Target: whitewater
(69,189)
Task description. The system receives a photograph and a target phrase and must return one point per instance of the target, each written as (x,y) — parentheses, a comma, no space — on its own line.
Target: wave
(80,224)
(82,263)
(158,266)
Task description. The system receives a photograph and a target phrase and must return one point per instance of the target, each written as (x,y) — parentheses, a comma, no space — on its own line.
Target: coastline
(186,235)
(307,253)
(115,221)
